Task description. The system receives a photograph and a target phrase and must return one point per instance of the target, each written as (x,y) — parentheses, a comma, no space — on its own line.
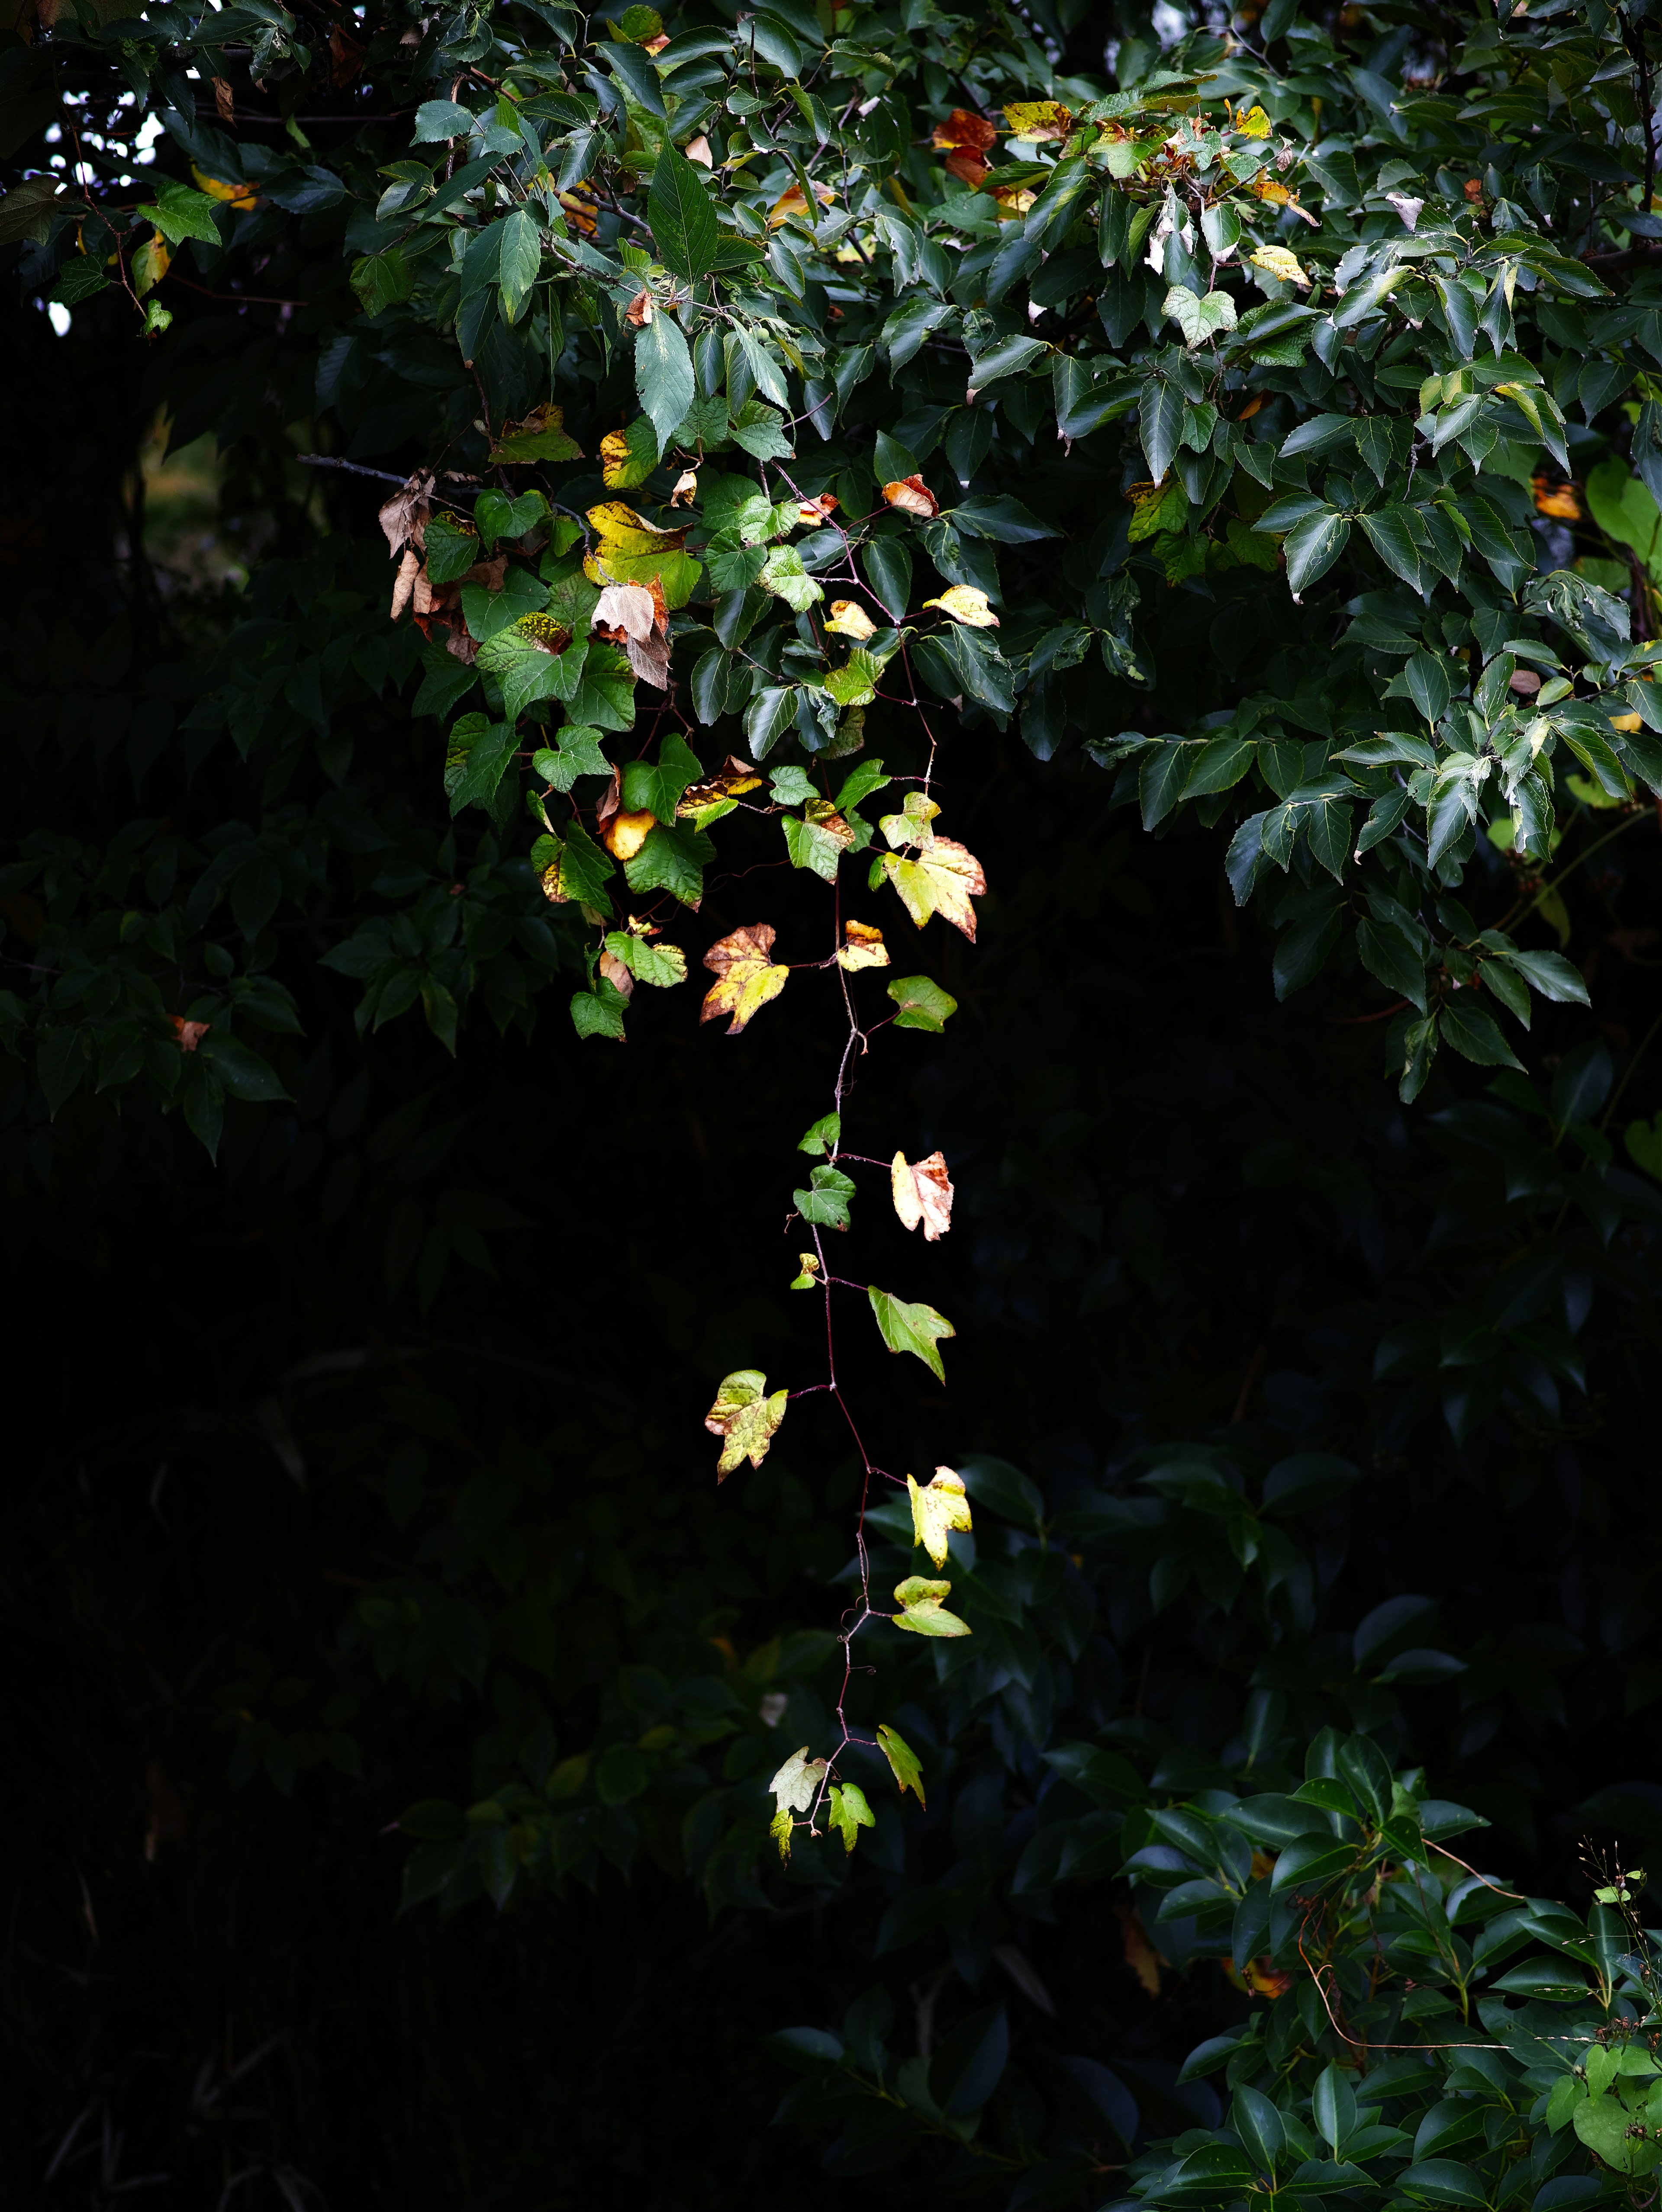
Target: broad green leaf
(656,787)
(179,213)
(578,753)
(663,375)
(662,964)
(825,1203)
(517,263)
(746,1419)
(684,229)
(1199,319)
(911,1327)
(921,1004)
(672,859)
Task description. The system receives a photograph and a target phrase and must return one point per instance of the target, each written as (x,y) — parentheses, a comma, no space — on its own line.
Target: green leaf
(657,788)
(179,213)
(684,229)
(903,1761)
(747,1420)
(825,1203)
(824,1135)
(517,263)
(578,753)
(663,375)
(573,868)
(1160,422)
(599,1012)
(922,1611)
(381,280)
(1199,319)
(659,964)
(922,1003)
(480,753)
(453,547)
(849,1813)
(914,1328)
(1474,1032)
(1313,546)
(672,859)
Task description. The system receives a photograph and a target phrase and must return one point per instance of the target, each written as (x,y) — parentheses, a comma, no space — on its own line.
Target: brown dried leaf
(639,311)
(922,1192)
(728,782)
(968,166)
(697,150)
(225,101)
(190,1034)
(963,127)
(1140,1955)
(403,584)
(404,517)
(616,974)
(912,496)
(686,489)
(746,974)
(626,607)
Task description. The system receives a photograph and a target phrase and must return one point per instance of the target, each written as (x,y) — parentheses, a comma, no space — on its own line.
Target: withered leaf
(404,517)
(912,496)
(746,975)
(865,947)
(746,1418)
(922,1192)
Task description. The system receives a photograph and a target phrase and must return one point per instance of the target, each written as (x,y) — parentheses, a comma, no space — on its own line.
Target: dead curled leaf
(865,947)
(686,489)
(629,607)
(912,496)
(639,311)
(635,617)
(923,1191)
(190,1034)
(404,517)
(403,584)
(616,974)
(747,976)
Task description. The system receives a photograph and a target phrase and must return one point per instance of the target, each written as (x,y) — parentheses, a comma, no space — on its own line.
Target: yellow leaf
(865,947)
(849,620)
(236,196)
(807,1274)
(1255,123)
(942,880)
(625,536)
(1277,261)
(744,1418)
(746,976)
(629,457)
(911,825)
(151,264)
(625,833)
(964,603)
(1266,188)
(937,1510)
(1037,119)
(794,202)
(1625,722)
(923,1191)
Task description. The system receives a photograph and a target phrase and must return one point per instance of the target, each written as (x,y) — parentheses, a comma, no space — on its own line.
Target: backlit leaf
(922,1192)
(916,1328)
(942,880)
(903,1761)
(848,1812)
(746,1418)
(939,1507)
(746,976)
(921,1610)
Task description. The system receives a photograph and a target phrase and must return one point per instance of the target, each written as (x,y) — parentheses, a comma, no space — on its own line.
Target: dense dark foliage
(396,1694)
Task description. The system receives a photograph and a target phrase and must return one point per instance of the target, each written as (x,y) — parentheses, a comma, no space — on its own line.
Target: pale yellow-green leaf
(849,1812)
(922,1611)
(746,978)
(746,1418)
(938,1508)
(942,880)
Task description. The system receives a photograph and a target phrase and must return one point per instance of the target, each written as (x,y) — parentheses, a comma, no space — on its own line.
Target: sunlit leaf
(921,1610)
(922,1192)
(903,1761)
(746,1418)
(938,1508)
(914,1328)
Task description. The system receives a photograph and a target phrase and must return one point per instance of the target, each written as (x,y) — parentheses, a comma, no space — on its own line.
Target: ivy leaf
(942,880)
(864,948)
(662,964)
(179,213)
(575,868)
(825,1203)
(922,1192)
(908,1327)
(746,978)
(745,1417)
(657,788)
(577,754)
(663,375)
(939,1507)
(817,838)
(824,1136)
(923,1004)
(672,859)
(921,1610)
(903,1761)
(599,1012)
(849,1812)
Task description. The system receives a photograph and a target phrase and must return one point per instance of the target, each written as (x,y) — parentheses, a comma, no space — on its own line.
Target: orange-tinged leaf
(942,880)
(697,150)
(190,1034)
(241,196)
(639,311)
(864,948)
(965,128)
(1013,200)
(967,166)
(815,510)
(1556,500)
(747,976)
(923,1191)
(912,496)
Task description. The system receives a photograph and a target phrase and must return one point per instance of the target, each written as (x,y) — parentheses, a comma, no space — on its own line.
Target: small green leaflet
(850,1813)
(914,1329)
(825,1203)
(919,1600)
(922,1003)
(903,1761)
(663,375)
(684,226)
(823,1137)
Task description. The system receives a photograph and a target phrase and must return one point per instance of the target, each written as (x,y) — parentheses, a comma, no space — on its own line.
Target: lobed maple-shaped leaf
(823,1137)
(939,1507)
(914,1329)
(824,1203)
(922,1003)
(746,978)
(865,947)
(942,880)
(746,1418)
(796,1784)
(903,1761)
(922,1192)
(849,1812)
(780,1829)
(921,1609)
